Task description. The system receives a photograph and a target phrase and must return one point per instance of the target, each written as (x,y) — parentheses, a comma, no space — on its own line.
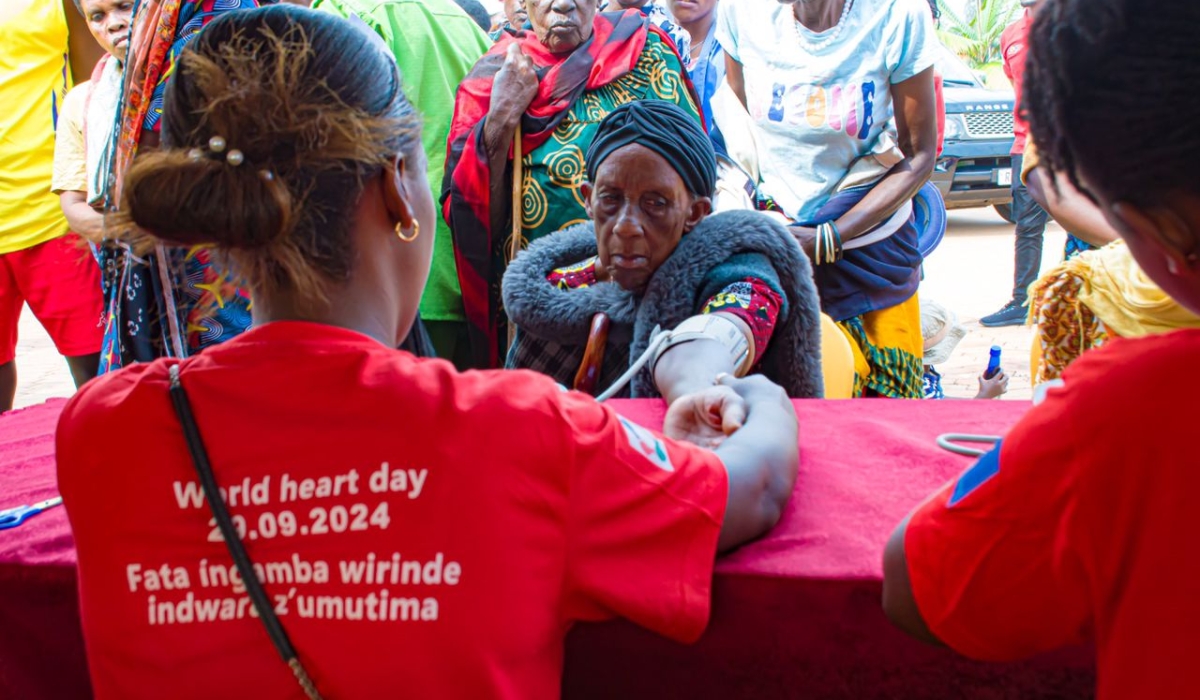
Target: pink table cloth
(795,614)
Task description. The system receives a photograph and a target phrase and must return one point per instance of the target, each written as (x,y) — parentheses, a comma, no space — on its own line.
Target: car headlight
(956,128)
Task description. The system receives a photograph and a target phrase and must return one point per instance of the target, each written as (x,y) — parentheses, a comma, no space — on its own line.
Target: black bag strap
(237,550)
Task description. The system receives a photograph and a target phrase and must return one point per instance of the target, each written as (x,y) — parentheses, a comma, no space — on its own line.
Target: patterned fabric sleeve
(575,276)
(753,301)
(194,15)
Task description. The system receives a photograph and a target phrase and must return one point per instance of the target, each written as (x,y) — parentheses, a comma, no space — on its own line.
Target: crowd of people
(264,222)
(508,122)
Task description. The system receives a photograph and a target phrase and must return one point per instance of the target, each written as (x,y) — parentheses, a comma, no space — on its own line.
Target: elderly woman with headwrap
(555,83)
(734,289)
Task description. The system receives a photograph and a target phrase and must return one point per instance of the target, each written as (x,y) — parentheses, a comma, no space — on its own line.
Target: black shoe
(1013,314)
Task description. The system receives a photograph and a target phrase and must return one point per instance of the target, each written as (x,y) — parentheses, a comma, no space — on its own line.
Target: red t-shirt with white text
(1082,524)
(422,533)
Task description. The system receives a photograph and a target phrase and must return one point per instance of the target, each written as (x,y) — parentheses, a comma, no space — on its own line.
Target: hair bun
(207,200)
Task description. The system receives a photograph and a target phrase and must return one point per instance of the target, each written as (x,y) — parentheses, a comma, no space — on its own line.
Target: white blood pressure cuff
(713,327)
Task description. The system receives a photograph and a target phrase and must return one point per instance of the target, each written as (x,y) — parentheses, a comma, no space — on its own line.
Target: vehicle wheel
(1005,212)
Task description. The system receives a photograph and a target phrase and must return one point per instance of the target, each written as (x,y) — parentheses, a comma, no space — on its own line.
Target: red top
(1082,524)
(423,533)
(1012,46)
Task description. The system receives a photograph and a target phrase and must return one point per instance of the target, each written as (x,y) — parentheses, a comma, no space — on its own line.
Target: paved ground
(970,273)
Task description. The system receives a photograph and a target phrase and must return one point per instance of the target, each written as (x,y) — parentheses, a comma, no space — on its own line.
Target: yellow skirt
(888,351)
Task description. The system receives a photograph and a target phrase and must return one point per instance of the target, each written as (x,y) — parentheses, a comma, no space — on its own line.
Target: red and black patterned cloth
(611,52)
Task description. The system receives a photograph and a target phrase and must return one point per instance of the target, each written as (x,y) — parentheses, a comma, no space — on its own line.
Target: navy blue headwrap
(664,128)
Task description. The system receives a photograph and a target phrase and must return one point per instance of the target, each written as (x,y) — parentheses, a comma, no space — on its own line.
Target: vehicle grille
(985,124)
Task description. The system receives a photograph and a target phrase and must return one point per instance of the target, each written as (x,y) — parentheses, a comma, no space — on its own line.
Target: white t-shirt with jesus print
(821,104)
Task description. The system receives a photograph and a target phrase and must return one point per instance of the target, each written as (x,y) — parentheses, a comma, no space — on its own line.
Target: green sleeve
(737,268)
(669,83)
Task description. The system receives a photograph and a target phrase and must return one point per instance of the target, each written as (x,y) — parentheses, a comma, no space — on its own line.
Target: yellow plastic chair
(1035,357)
(837,361)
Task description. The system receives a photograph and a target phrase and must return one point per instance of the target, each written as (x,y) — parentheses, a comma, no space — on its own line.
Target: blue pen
(15,516)
(993,363)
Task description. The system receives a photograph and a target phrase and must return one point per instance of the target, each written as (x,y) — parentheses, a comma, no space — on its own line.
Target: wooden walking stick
(514,245)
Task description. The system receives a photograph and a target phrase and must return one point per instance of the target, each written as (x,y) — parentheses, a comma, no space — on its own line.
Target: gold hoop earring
(416,231)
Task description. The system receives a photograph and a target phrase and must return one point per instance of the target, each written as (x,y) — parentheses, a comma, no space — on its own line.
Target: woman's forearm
(916,135)
(901,184)
(736,78)
(1072,210)
(81,217)
(688,367)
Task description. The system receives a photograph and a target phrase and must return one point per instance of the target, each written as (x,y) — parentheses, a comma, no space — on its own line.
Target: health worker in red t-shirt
(415,532)
(1083,523)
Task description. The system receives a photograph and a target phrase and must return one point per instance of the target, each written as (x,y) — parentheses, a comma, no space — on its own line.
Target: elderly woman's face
(641,209)
(562,25)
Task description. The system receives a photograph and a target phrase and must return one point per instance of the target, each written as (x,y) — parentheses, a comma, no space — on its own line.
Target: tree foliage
(974,32)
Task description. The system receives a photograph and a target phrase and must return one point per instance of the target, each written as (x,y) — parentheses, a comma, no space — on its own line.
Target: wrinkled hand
(993,388)
(705,417)
(515,86)
(806,237)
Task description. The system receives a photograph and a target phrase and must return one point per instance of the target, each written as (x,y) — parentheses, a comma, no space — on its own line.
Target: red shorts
(60,281)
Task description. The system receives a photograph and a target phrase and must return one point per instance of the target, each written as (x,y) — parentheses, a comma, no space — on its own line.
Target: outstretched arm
(761,459)
(692,366)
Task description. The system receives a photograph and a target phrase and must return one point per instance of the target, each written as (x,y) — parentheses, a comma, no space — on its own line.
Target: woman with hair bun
(390,526)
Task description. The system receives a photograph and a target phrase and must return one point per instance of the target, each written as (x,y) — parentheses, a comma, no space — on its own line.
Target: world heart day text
(258,492)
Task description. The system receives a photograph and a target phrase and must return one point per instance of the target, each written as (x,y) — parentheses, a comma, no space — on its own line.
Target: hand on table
(705,417)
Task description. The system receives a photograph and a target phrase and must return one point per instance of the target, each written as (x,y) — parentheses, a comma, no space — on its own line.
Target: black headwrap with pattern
(665,129)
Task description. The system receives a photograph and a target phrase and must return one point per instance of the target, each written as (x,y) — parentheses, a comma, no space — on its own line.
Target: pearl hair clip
(234,157)
(216,146)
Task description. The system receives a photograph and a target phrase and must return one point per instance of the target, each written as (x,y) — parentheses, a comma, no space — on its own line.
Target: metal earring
(416,231)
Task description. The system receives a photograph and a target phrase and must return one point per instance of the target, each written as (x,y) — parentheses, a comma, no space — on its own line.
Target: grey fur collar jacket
(553,324)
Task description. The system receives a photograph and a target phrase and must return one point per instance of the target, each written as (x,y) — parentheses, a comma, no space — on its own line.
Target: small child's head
(941,332)
(109,22)
(1111,95)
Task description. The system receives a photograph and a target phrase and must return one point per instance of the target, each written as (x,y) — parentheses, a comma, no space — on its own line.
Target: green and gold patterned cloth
(553,172)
